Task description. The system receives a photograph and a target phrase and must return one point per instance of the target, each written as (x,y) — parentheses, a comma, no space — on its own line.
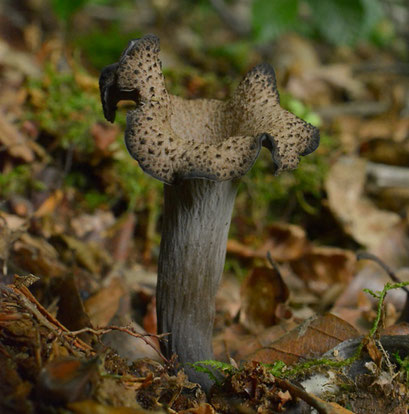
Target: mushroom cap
(174,138)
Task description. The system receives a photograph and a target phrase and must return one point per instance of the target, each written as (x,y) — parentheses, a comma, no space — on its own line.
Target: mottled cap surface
(173,138)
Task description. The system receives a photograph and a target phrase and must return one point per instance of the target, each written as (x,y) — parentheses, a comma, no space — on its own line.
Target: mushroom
(199,149)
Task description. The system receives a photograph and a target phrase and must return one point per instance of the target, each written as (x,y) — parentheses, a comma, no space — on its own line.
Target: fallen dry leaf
(90,254)
(14,142)
(261,292)
(240,249)
(37,256)
(401,328)
(373,351)
(285,242)
(236,342)
(20,205)
(359,217)
(11,229)
(13,388)
(311,339)
(103,305)
(71,312)
(121,241)
(50,204)
(319,85)
(67,379)
(104,135)
(92,226)
(380,136)
(326,264)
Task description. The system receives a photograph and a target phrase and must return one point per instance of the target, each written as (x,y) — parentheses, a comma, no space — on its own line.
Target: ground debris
(46,366)
(254,388)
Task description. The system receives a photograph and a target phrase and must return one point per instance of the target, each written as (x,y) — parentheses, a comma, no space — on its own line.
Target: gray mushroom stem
(196,223)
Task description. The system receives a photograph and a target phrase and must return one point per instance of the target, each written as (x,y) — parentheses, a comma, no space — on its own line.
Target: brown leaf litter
(47,364)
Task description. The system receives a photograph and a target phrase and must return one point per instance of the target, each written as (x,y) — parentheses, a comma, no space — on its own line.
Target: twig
(46,319)
(404,316)
(361,255)
(273,264)
(383,176)
(367,108)
(30,303)
(129,331)
(321,406)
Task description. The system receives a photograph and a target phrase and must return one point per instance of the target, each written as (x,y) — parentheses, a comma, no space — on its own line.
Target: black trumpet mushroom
(199,149)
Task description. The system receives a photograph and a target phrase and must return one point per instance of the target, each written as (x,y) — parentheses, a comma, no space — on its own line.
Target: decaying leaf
(49,205)
(373,351)
(71,312)
(359,217)
(285,242)
(104,135)
(103,305)
(67,379)
(15,143)
(401,328)
(38,256)
(122,236)
(11,229)
(309,340)
(90,254)
(238,343)
(13,388)
(261,293)
(92,226)
(328,265)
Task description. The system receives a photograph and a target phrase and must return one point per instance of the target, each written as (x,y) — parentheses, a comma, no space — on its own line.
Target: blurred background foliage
(207,46)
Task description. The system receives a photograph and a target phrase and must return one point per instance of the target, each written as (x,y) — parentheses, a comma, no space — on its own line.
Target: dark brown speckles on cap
(173,138)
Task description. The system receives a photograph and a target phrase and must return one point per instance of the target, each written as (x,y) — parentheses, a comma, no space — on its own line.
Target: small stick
(273,263)
(30,303)
(361,255)
(129,331)
(323,407)
(404,316)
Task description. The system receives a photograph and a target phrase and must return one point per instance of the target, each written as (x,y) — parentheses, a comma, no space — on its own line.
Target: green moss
(19,180)
(137,186)
(102,46)
(263,196)
(64,108)
(404,366)
(210,366)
